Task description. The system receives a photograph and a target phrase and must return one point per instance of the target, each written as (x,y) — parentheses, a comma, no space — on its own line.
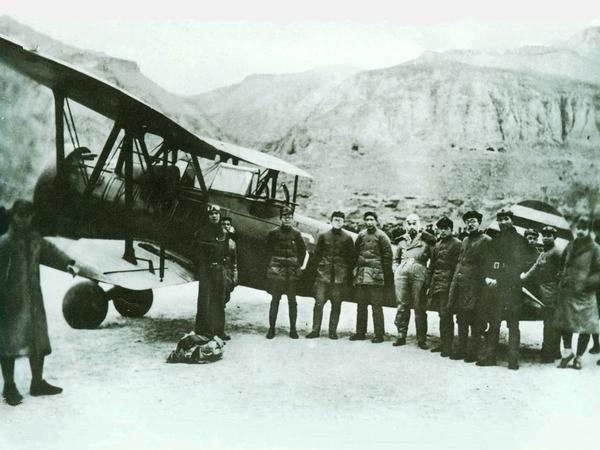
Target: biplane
(127,212)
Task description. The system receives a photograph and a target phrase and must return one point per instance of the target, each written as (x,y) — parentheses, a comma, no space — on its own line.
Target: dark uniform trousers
(446,320)
(551,340)
(474,319)
(212,294)
(409,293)
(323,292)
(278,288)
(503,304)
(366,295)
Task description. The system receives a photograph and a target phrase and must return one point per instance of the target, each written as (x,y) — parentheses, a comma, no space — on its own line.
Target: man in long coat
(287,251)
(334,259)
(412,255)
(467,296)
(577,311)
(23,326)
(373,277)
(444,259)
(545,274)
(214,284)
(507,257)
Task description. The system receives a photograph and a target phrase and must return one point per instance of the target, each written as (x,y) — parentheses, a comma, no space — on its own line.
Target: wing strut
(108,146)
(59,111)
(127,149)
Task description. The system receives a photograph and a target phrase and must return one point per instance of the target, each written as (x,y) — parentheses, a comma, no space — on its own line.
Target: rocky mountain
(446,131)
(476,127)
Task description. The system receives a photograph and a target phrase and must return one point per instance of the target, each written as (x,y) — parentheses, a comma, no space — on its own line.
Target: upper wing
(129,111)
(101,260)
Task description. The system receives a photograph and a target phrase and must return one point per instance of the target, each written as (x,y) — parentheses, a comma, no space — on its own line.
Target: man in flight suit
(212,250)
(412,254)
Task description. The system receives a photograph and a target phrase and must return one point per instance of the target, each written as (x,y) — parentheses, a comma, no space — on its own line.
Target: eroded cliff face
(443,132)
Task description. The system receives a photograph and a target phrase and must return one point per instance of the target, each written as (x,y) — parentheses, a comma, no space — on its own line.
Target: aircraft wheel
(85,305)
(132,303)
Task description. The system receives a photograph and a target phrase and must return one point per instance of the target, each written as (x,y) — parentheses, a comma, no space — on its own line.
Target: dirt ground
(287,394)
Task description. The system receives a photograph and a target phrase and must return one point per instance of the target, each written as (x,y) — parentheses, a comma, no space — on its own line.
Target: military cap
(549,230)
(370,213)
(504,212)
(582,222)
(444,222)
(531,232)
(22,207)
(472,215)
(286,211)
(213,208)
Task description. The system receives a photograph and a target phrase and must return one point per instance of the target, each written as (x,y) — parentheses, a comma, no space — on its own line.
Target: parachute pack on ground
(197,349)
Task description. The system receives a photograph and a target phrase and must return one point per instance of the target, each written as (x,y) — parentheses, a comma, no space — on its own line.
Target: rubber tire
(131,303)
(85,305)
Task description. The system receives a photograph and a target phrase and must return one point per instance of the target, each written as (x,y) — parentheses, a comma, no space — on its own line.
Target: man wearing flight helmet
(213,251)
(412,254)
(546,272)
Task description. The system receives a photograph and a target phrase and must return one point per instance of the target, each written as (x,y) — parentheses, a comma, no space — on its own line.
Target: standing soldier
(232,268)
(467,289)
(577,311)
(373,277)
(334,258)
(287,251)
(212,249)
(545,272)
(444,258)
(507,257)
(23,326)
(412,253)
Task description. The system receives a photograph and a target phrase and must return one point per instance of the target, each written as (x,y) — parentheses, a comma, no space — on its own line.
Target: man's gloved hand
(73,270)
(490,282)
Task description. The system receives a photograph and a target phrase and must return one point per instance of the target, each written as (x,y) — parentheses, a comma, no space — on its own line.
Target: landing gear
(85,305)
(131,303)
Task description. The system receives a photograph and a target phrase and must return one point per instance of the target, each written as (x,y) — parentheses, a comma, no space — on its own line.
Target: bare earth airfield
(323,394)
(286,394)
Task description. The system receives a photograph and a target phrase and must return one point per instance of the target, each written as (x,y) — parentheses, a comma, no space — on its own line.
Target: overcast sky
(192,49)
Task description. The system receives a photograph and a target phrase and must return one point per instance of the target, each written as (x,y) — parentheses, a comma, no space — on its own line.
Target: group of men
(478,280)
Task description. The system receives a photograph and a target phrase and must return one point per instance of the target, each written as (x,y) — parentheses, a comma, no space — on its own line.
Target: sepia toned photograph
(326,225)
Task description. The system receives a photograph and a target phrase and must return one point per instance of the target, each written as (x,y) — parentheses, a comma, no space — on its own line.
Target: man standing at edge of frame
(576,310)
(334,259)
(23,325)
(444,259)
(466,295)
(287,251)
(373,277)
